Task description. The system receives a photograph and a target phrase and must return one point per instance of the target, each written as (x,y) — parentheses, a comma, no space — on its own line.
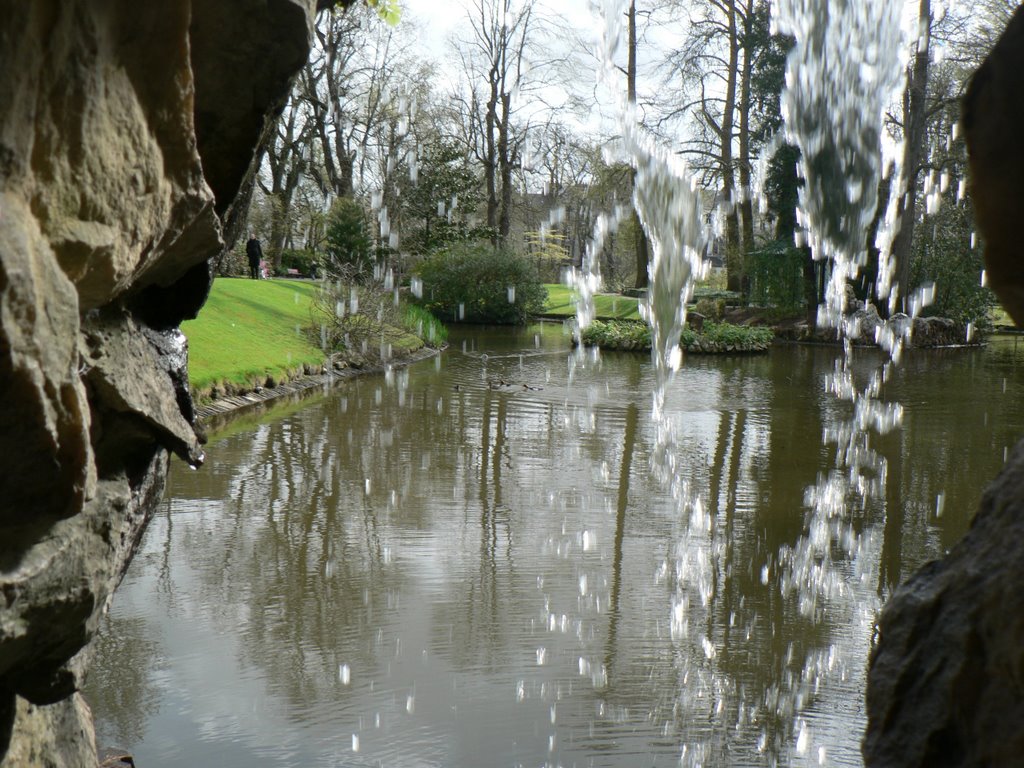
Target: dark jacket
(253,249)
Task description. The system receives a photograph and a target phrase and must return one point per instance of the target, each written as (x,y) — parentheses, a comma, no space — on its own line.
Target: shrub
(302,260)
(233,263)
(777,278)
(729,338)
(479,284)
(713,309)
(617,334)
(715,337)
(367,321)
(943,254)
(427,327)
(348,243)
(359,318)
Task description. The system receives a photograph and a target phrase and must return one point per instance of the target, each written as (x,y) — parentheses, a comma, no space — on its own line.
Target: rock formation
(993,113)
(125,133)
(946,678)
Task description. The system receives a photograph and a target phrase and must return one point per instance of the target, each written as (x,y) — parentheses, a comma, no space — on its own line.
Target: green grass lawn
(1000,317)
(562,303)
(249,329)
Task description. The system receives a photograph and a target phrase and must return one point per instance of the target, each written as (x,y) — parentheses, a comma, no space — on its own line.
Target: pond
(469,563)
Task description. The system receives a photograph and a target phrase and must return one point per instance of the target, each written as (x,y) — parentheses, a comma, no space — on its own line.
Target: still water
(469,563)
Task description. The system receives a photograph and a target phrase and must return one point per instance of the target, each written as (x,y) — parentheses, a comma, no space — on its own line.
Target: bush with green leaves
(305,262)
(477,283)
(368,321)
(618,335)
(714,338)
(777,278)
(943,254)
(348,244)
(726,337)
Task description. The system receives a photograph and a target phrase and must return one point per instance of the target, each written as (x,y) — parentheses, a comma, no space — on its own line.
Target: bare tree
(640,244)
(915,118)
(716,62)
(285,163)
(493,60)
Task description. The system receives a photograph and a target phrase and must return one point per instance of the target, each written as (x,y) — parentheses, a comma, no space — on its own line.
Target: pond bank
(230,404)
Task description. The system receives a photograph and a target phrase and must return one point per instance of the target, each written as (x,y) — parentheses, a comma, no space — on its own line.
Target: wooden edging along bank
(227,405)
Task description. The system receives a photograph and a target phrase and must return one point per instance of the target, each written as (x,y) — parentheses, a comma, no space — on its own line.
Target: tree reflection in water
(454,572)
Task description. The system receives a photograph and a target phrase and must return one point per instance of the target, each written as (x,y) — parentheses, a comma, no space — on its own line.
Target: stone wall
(126,130)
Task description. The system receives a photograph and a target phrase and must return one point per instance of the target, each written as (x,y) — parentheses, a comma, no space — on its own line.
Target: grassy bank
(249,330)
(252,331)
(562,303)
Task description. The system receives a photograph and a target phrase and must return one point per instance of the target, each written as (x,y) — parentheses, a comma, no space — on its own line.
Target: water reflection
(469,564)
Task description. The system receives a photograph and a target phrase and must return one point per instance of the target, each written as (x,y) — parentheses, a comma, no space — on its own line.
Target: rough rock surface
(946,683)
(946,678)
(866,328)
(993,112)
(125,132)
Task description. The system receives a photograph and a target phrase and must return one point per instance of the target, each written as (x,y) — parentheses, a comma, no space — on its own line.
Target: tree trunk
(785,229)
(490,160)
(345,186)
(640,245)
(914,123)
(733,255)
(810,286)
(868,289)
(505,169)
(746,202)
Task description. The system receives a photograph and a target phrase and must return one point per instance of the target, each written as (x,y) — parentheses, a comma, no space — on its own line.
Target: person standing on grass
(254,251)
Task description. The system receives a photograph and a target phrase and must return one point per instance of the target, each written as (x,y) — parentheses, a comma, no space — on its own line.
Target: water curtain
(841,74)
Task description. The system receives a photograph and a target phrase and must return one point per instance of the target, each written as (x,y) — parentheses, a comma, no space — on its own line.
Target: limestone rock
(946,680)
(131,375)
(61,735)
(44,415)
(239,77)
(865,327)
(993,111)
(54,596)
(125,131)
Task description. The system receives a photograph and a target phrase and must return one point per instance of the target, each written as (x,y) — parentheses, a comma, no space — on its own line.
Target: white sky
(437,22)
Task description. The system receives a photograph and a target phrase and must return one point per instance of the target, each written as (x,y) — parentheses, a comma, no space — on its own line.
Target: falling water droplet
(803,739)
